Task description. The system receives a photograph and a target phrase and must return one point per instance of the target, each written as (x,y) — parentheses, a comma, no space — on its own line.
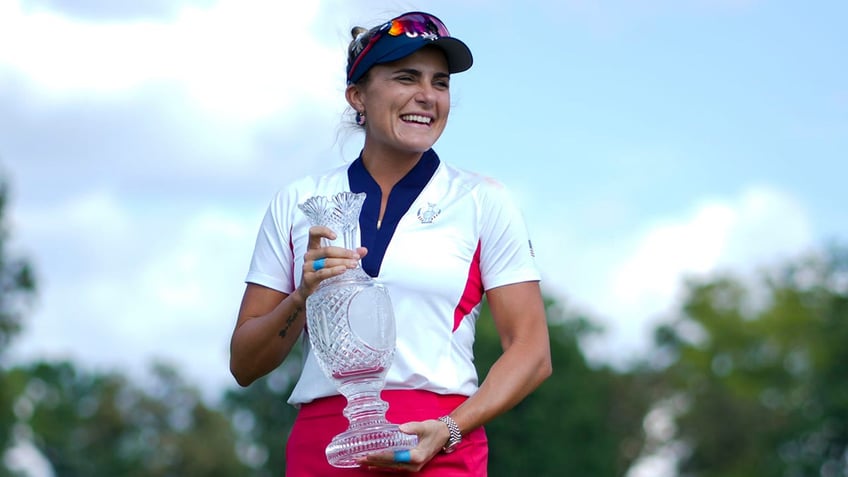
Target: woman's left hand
(432,435)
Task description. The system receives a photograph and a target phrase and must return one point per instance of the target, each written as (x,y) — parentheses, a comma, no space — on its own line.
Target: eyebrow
(416,72)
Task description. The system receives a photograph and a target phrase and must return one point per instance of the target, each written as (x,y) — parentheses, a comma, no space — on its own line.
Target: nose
(426,95)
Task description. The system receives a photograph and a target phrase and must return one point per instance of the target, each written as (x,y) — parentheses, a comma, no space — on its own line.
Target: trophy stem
(364,404)
(368,430)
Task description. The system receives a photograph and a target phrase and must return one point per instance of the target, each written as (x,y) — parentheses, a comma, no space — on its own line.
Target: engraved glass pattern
(351,327)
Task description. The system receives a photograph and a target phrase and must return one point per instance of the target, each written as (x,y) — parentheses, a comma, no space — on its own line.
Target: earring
(360,118)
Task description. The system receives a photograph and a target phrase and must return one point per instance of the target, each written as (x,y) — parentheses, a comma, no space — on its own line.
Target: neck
(388,167)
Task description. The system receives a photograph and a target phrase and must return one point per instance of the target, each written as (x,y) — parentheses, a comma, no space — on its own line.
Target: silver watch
(455,436)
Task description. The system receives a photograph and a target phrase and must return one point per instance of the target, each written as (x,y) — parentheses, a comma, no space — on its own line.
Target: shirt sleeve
(506,251)
(273,254)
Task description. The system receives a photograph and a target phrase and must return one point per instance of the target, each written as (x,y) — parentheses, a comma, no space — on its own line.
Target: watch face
(450,447)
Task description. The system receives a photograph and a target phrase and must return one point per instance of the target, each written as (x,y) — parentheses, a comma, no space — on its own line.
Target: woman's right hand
(331,261)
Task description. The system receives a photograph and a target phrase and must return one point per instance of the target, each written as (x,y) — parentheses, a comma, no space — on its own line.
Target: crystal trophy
(351,328)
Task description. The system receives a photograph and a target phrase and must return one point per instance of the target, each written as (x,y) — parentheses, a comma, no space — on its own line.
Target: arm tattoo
(289,322)
(291,317)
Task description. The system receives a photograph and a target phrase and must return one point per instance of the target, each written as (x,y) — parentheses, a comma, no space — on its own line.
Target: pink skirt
(319,421)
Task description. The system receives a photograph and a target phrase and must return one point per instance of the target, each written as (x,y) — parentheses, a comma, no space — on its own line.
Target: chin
(421,145)
(420,149)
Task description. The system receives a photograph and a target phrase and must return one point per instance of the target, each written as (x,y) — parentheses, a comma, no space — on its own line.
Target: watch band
(455,436)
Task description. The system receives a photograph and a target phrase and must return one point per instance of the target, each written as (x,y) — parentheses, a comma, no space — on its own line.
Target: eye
(406,79)
(442,84)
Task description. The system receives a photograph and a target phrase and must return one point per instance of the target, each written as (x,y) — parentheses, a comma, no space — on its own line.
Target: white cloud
(189,295)
(247,62)
(666,250)
(762,226)
(124,287)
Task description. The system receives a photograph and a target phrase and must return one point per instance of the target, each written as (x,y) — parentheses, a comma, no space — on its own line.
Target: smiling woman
(438,238)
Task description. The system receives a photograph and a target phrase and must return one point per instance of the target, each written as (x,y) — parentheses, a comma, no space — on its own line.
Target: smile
(415,118)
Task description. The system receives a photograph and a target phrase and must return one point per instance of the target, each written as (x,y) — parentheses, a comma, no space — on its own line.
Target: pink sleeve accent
(473,293)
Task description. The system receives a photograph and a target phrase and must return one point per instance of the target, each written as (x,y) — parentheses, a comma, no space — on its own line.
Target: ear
(355,97)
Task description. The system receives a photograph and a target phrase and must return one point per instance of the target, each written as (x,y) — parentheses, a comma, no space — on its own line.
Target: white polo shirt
(447,236)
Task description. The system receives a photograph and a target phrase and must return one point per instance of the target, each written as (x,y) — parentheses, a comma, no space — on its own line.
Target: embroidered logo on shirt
(532,252)
(428,215)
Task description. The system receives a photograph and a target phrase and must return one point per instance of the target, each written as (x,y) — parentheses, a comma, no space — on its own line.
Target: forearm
(270,322)
(519,315)
(259,344)
(520,370)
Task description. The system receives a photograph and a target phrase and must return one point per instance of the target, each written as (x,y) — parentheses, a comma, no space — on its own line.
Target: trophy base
(353,444)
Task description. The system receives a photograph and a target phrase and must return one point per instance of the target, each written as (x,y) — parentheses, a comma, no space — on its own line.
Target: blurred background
(680,164)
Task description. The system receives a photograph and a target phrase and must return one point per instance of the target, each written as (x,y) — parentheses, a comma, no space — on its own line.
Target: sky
(646,141)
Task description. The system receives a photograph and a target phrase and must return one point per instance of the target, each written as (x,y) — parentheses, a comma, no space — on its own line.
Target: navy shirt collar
(401,198)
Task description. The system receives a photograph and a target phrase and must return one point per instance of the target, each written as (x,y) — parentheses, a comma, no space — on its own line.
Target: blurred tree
(759,372)
(17,288)
(17,284)
(90,425)
(263,419)
(581,421)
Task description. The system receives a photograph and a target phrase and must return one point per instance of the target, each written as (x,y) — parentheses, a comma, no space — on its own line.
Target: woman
(437,237)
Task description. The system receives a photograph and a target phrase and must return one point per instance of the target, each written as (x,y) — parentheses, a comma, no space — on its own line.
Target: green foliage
(7,418)
(17,282)
(91,425)
(764,386)
(263,419)
(575,423)
(17,288)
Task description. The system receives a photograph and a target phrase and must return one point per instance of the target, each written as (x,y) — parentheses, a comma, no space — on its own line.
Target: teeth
(416,118)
